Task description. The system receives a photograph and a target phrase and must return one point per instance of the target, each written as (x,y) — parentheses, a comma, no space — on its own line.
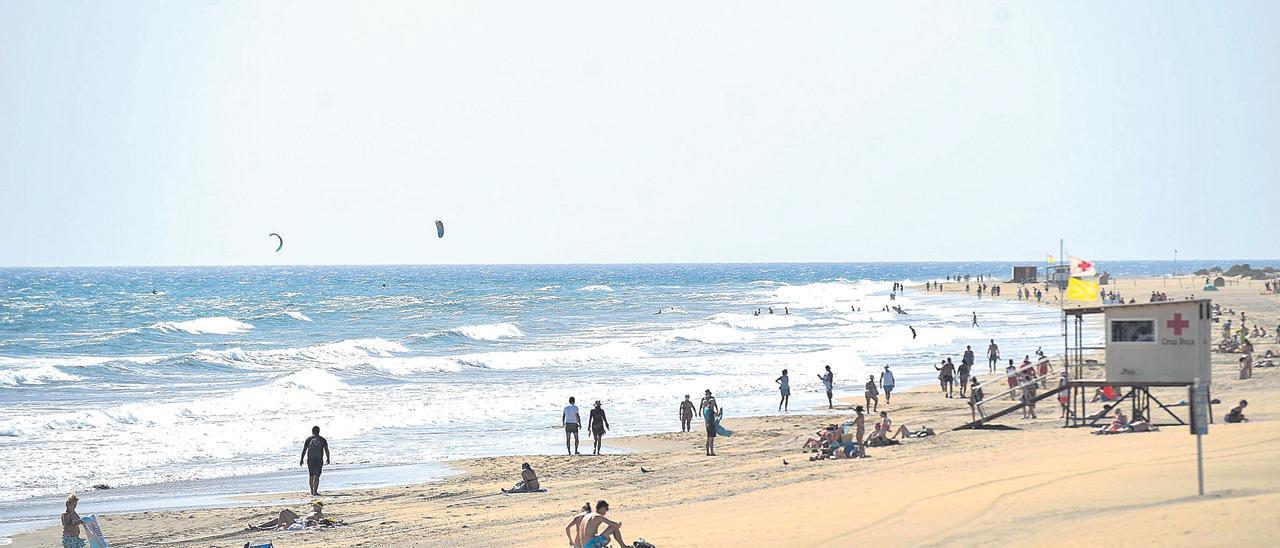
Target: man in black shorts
(571,420)
(316,452)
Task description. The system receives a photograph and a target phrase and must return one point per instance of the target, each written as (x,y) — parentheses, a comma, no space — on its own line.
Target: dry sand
(1039,484)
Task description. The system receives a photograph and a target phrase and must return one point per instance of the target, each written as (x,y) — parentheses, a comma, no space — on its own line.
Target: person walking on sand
(966,366)
(571,421)
(710,412)
(946,376)
(993,356)
(1029,394)
(71,524)
(784,387)
(316,452)
(828,382)
(686,414)
(871,394)
(599,425)
(975,400)
(887,384)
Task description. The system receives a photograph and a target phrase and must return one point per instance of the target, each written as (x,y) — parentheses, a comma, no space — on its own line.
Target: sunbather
(528,481)
(905,432)
(287,518)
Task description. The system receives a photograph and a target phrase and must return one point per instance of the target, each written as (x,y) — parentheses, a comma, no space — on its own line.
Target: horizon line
(198,265)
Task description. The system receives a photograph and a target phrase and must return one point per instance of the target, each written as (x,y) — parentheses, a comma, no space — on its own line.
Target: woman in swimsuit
(872,394)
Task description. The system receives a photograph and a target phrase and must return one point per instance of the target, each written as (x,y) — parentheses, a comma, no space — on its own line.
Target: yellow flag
(1080,290)
(1049,260)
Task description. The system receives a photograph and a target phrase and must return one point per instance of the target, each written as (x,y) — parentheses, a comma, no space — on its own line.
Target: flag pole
(1062,307)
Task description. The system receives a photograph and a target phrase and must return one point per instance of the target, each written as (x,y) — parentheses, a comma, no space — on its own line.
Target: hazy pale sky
(185,132)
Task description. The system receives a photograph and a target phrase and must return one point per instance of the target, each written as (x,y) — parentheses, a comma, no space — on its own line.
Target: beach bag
(642,543)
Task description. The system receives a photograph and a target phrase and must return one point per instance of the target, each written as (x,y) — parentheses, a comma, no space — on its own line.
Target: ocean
(151,376)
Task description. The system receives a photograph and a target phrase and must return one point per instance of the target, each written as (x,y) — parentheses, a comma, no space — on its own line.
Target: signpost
(1199,398)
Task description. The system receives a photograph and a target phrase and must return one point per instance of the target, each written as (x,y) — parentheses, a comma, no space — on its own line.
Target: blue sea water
(137,376)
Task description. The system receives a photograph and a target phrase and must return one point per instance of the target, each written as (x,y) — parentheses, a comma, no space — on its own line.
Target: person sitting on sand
(572,530)
(1119,424)
(528,481)
(1104,393)
(589,528)
(1237,413)
(288,517)
(71,524)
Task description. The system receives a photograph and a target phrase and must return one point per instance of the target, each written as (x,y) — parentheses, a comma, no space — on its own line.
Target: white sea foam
(763,321)
(596,288)
(297,315)
(826,295)
(346,352)
(547,288)
(219,325)
(710,334)
(35,375)
(489,332)
(605,354)
(76,361)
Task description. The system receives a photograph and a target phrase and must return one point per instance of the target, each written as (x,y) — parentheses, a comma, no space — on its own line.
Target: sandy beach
(1036,484)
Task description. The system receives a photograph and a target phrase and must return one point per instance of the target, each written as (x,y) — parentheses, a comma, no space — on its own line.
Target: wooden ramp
(981,423)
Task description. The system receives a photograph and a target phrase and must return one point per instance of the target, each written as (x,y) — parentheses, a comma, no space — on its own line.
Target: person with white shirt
(571,421)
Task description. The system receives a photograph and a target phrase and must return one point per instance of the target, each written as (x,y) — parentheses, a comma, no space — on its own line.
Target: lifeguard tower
(1147,346)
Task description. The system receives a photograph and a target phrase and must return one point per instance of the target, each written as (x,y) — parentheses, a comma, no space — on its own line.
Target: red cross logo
(1085,265)
(1177,324)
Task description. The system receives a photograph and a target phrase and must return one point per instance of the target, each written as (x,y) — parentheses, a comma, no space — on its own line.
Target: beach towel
(93,531)
(722,430)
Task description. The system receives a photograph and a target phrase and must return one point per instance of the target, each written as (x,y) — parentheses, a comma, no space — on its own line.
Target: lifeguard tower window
(1133,331)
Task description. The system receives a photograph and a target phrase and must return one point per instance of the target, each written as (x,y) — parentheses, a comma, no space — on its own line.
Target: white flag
(1081,268)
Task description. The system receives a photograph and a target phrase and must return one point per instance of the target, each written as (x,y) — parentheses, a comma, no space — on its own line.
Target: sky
(183,133)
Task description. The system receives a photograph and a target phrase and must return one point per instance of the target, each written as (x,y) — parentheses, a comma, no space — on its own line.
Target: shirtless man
(589,531)
(828,380)
(572,530)
(686,414)
(71,525)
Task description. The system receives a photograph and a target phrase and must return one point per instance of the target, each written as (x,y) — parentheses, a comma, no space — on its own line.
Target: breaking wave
(219,325)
